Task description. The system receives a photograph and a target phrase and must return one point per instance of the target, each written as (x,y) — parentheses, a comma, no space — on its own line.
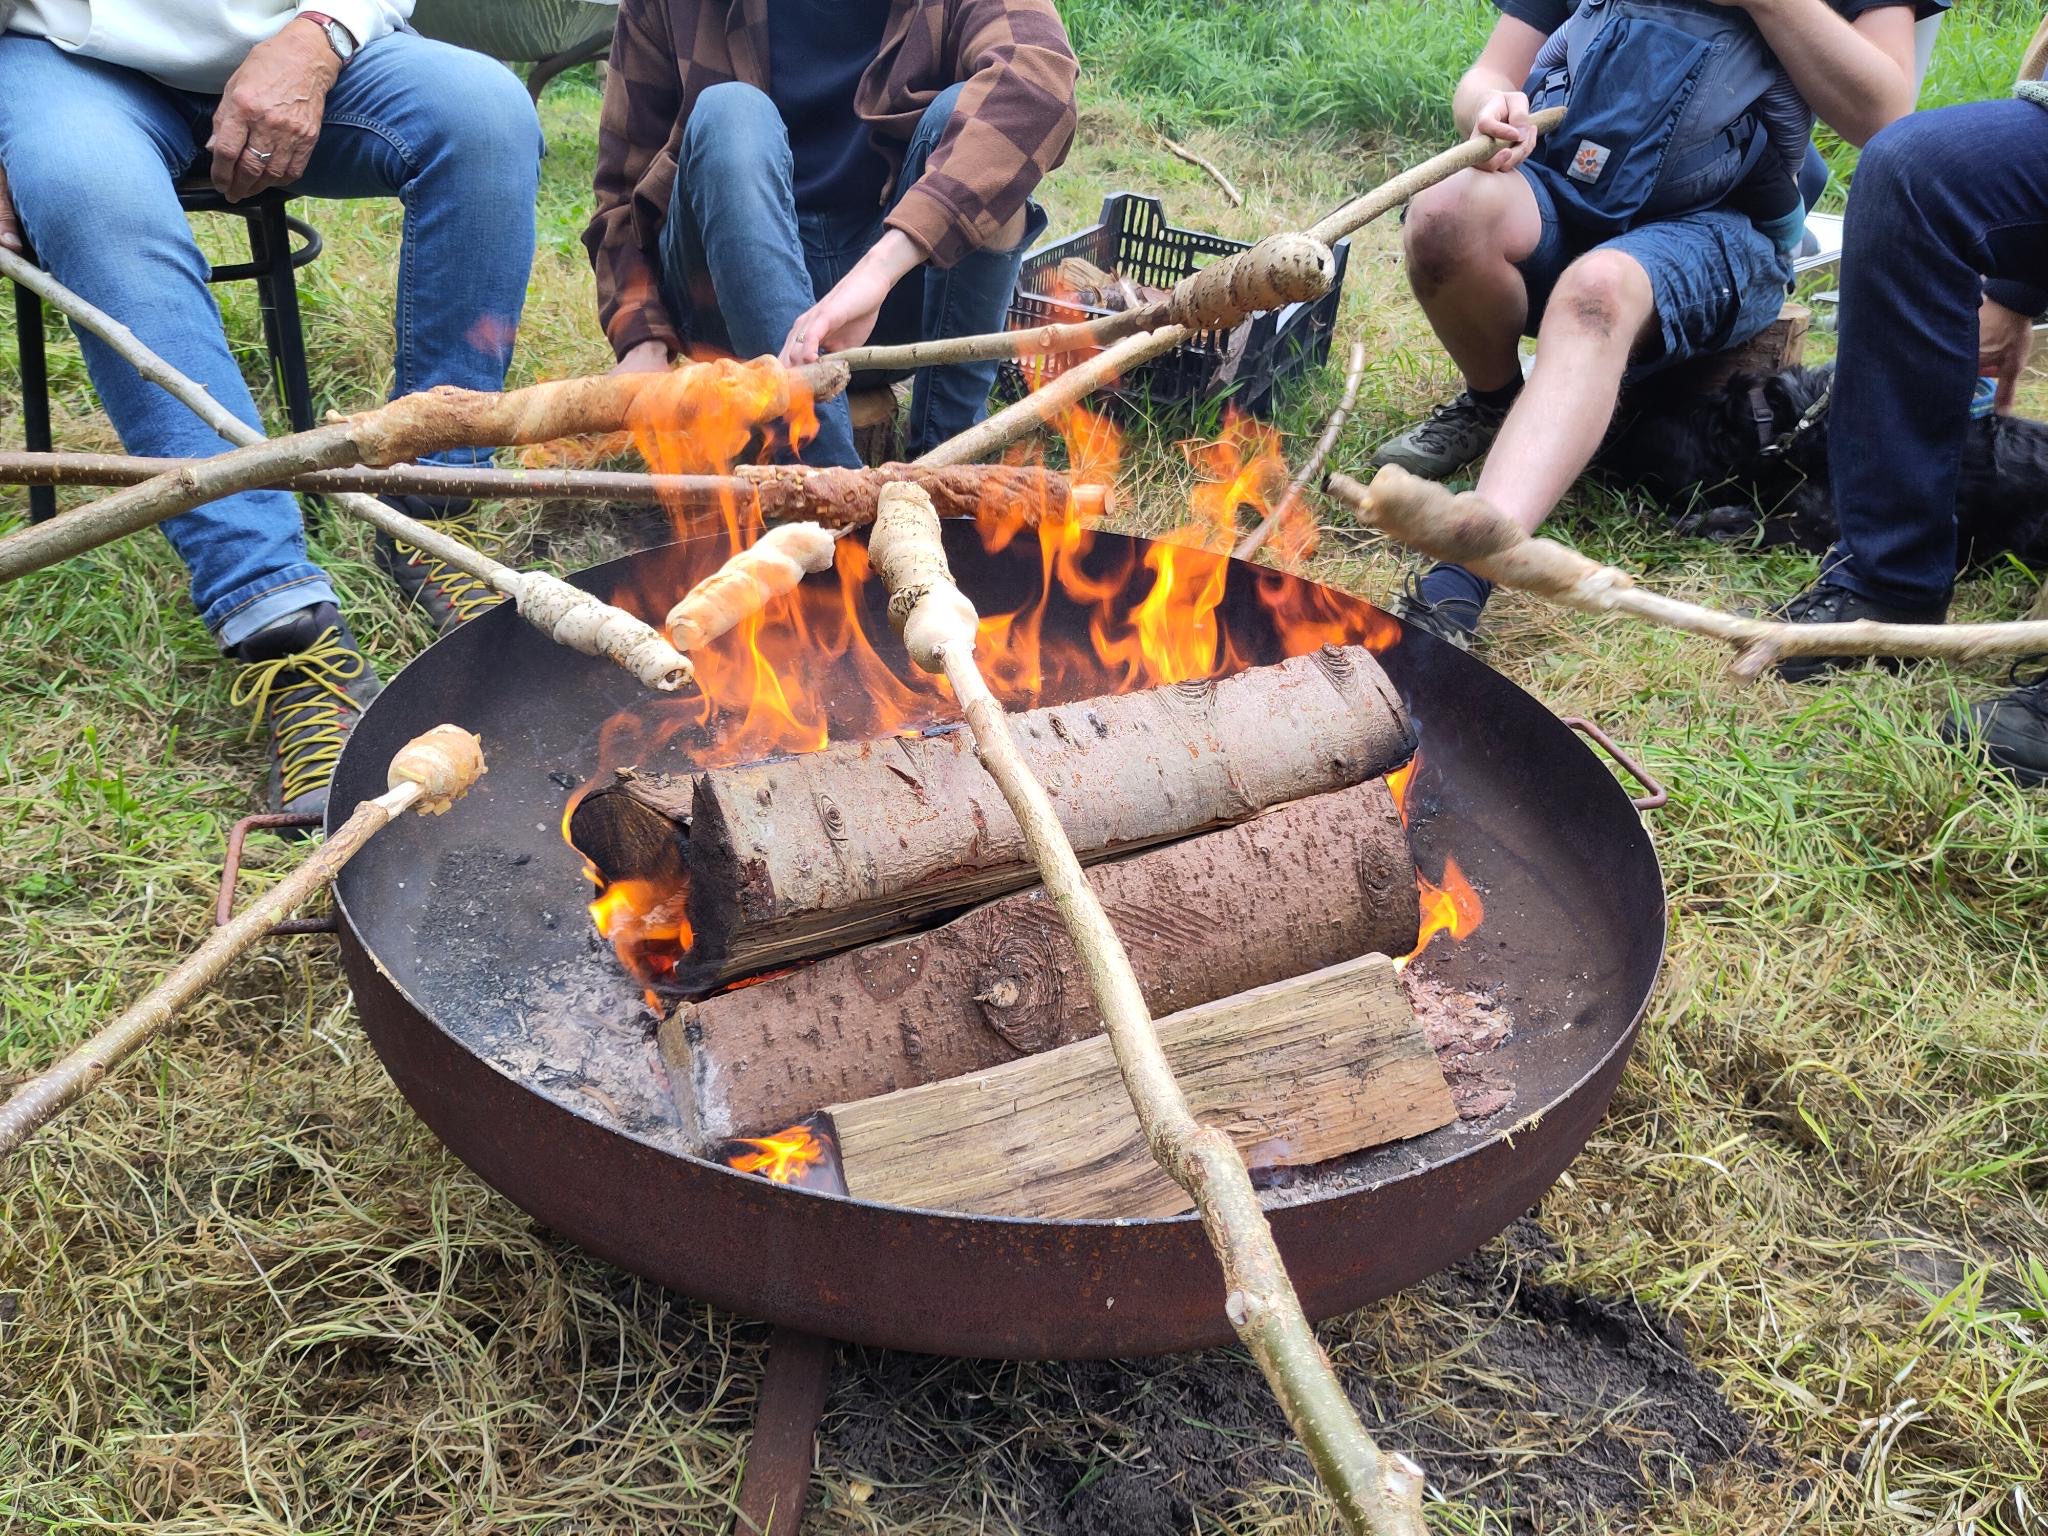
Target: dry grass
(244,1291)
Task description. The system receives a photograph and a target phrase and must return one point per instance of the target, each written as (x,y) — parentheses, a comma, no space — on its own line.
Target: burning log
(792,858)
(1296,1073)
(1302,887)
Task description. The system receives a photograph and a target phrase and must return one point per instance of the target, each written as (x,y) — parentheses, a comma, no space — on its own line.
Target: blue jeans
(1940,200)
(92,151)
(740,261)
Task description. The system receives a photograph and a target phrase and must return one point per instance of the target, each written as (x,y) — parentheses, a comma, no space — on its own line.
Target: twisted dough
(445,762)
(748,582)
(924,605)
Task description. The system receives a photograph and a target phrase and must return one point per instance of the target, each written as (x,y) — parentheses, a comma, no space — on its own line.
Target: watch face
(344,44)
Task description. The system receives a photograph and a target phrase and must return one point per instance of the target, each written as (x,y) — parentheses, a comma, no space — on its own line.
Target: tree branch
(1374,1492)
(1470,531)
(1312,467)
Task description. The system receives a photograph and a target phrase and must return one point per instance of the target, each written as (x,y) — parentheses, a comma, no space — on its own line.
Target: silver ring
(263,154)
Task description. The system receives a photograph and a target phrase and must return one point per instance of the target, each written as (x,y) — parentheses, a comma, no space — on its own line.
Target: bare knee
(1603,295)
(1451,229)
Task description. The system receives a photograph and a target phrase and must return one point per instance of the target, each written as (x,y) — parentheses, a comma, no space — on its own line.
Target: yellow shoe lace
(310,729)
(466,594)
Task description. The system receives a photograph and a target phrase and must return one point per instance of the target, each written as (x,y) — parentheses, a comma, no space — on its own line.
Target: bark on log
(798,857)
(1302,887)
(1295,1073)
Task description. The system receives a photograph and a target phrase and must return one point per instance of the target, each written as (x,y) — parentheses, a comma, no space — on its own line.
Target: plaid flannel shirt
(1014,123)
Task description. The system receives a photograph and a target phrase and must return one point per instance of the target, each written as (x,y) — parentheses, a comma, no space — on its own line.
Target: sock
(1456,593)
(1497,399)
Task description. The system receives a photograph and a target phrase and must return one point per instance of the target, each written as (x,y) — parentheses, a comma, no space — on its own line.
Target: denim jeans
(92,151)
(740,261)
(1940,199)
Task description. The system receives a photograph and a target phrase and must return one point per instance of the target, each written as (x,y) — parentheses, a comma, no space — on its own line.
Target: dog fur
(1702,461)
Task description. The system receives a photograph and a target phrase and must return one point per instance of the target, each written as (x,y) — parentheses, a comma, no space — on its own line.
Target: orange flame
(1453,907)
(782,1158)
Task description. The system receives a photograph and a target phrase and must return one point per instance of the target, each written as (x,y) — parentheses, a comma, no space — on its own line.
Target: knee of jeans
(733,125)
(490,128)
(931,126)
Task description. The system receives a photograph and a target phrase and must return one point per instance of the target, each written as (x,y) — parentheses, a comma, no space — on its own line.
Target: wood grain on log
(1295,1073)
(1301,887)
(798,857)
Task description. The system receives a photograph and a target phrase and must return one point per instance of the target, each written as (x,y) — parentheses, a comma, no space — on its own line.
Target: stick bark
(1391,194)
(430,772)
(1374,1492)
(1312,468)
(1470,531)
(1201,163)
(783,493)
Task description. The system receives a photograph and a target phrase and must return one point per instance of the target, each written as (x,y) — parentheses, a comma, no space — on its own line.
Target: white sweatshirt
(194,45)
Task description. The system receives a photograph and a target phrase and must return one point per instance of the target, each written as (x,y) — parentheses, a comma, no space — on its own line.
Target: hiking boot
(1445,441)
(2010,730)
(1826,603)
(304,678)
(1454,620)
(450,598)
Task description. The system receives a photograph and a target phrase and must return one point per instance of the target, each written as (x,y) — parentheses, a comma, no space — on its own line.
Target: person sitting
(796,177)
(1618,264)
(104,108)
(1944,273)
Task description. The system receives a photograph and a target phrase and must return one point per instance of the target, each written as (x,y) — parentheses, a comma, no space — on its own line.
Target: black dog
(1752,465)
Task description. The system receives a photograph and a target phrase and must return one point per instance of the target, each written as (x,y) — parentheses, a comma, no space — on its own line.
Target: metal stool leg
(270,247)
(35,395)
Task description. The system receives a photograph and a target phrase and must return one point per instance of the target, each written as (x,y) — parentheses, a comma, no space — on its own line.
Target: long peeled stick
(1374,1492)
(1470,531)
(430,773)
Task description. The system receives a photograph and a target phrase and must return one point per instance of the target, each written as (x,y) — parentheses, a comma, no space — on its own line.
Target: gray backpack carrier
(1672,105)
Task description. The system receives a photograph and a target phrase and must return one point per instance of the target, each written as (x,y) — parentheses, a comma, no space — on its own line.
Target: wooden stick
(781,492)
(1279,270)
(1391,194)
(1374,1493)
(430,773)
(1470,531)
(1182,152)
(1312,467)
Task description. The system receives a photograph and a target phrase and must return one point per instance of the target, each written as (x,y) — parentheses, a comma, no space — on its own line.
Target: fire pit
(517,1034)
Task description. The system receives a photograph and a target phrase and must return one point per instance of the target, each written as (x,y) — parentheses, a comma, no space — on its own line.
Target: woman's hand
(845,317)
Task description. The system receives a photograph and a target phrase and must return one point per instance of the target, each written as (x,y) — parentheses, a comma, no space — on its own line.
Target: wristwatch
(339,38)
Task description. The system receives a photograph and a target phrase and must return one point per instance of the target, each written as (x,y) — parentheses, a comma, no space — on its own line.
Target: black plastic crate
(1134,240)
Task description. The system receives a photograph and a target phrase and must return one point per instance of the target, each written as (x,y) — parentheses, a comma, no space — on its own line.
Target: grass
(242,1290)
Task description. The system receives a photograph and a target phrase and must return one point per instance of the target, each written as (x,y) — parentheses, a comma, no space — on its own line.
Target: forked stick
(1470,531)
(1304,483)
(1374,1492)
(431,772)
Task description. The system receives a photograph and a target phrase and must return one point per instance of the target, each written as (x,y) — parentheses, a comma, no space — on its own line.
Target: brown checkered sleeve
(1014,123)
(636,162)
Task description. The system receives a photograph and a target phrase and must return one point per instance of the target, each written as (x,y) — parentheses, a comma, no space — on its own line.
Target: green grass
(243,1290)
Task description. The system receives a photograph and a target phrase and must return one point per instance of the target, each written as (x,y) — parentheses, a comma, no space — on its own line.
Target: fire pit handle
(1654,796)
(231,872)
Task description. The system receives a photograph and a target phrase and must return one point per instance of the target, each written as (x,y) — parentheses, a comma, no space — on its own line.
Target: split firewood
(1301,887)
(1296,1072)
(429,774)
(1472,532)
(801,856)
(1373,1493)
(1073,383)
(1293,504)
(779,493)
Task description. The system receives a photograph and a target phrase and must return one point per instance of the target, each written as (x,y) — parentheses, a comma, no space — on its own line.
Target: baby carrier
(1674,105)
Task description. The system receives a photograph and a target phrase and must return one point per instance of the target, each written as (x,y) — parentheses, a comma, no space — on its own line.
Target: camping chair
(551,35)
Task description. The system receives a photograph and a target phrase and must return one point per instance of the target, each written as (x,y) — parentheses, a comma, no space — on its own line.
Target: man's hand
(10,224)
(269,115)
(1505,116)
(845,317)
(647,357)
(2005,341)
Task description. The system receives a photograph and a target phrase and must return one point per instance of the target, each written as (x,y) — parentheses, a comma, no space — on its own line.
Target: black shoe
(1445,441)
(2010,730)
(450,597)
(1826,603)
(1454,619)
(305,679)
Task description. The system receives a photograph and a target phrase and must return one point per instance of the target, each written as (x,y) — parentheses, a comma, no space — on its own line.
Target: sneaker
(305,679)
(1826,603)
(450,598)
(1444,442)
(2010,730)
(1454,620)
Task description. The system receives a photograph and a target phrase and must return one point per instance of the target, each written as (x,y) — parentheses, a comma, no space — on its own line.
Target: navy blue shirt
(817,52)
(1546,16)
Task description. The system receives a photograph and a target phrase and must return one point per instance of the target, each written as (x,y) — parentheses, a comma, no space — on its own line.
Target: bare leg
(1602,309)
(1462,241)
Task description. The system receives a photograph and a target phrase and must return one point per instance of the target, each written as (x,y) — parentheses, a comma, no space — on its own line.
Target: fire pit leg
(778,1476)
